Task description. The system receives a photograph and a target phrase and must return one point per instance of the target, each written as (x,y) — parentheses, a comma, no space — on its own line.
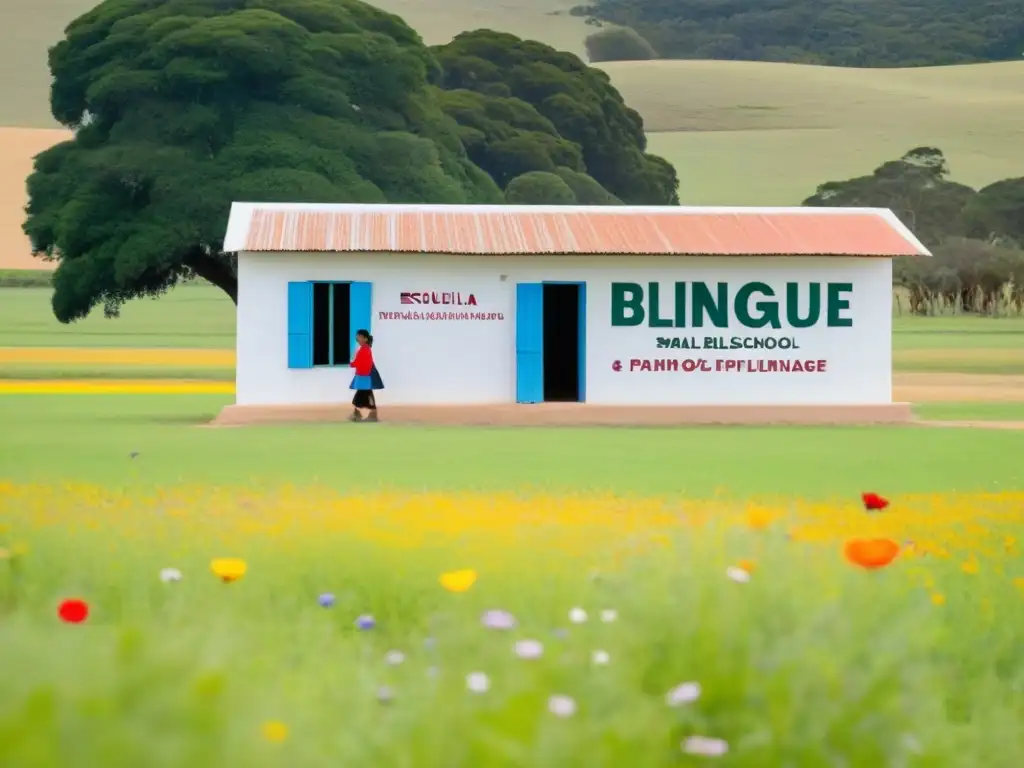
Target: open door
(564,342)
(529,343)
(551,333)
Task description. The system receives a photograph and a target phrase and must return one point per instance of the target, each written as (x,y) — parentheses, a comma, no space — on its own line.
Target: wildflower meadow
(174,596)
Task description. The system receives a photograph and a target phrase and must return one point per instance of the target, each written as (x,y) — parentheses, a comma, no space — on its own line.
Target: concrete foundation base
(578,414)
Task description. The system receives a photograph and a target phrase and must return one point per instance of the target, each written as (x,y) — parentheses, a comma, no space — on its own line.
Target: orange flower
(871,553)
(760,518)
(747,565)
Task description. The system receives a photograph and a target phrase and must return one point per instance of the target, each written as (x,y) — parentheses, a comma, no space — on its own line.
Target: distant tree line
(846,33)
(976,236)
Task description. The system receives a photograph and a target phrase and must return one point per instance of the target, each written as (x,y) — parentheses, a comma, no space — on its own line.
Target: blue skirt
(373,381)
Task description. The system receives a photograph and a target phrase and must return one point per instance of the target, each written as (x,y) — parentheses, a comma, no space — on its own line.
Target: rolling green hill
(757,133)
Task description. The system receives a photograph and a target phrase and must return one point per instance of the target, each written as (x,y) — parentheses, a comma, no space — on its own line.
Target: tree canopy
(180,107)
(523,106)
(975,236)
(916,188)
(997,212)
(861,33)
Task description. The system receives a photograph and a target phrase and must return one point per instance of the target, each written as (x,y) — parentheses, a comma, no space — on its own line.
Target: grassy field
(189,334)
(707,556)
(90,438)
(722,593)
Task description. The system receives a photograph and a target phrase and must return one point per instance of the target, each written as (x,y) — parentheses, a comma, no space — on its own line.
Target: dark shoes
(356,416)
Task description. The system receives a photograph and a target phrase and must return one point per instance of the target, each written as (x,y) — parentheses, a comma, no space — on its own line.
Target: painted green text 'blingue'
(751,305)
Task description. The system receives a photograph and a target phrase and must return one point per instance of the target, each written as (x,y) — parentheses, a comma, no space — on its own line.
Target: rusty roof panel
(474,230)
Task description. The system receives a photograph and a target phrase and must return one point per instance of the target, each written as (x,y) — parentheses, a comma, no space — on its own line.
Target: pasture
(723,604)
(758,133)
(972,367)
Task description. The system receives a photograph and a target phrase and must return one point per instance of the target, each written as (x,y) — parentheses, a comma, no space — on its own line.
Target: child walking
(366,378)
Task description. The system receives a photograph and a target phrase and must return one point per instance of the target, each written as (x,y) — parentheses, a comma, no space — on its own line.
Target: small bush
(619,44)
(586,190)
(539,188)
(964,276)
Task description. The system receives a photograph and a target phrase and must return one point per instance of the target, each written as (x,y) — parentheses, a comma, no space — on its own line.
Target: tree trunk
(218,269)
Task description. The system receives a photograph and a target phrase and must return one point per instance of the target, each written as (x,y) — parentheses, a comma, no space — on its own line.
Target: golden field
(507,628)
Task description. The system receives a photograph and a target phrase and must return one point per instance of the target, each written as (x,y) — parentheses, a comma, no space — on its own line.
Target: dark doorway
(562,343)
(332,332)
(341,325)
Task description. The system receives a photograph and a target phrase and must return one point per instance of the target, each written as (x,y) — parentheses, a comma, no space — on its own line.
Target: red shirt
(363,361)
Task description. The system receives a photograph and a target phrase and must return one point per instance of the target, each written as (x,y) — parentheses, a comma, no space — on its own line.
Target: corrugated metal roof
(509,230)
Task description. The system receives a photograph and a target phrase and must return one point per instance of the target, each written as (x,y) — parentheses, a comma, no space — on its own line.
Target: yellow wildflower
(759,518)
(458,581)
(228,569)
(275,731)
(970,566)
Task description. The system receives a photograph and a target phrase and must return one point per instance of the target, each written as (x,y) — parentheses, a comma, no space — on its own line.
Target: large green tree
(972,235)
(523,106)
(997,213)
(180,107)
(916,188)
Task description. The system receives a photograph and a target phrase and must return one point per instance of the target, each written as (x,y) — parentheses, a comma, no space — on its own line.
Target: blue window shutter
(300,325)
(360,309)
(529,343)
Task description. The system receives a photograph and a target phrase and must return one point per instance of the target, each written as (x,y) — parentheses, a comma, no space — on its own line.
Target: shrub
(539,188)
(619,44)
(26,278)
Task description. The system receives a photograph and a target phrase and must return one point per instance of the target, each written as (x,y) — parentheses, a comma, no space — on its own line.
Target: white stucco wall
(473,361)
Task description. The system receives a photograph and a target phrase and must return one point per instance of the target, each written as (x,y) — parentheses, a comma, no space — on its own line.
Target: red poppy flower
(873,502)
(871,553)
(73,611)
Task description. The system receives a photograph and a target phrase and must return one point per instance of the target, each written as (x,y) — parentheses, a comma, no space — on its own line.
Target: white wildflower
(737,574)
(705,747)
(498,620)
(394,658)
(529,649)
(478,682)
(685,693)
(600,658)
(168,575)
(561,706)
(577,616)
(608,615)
